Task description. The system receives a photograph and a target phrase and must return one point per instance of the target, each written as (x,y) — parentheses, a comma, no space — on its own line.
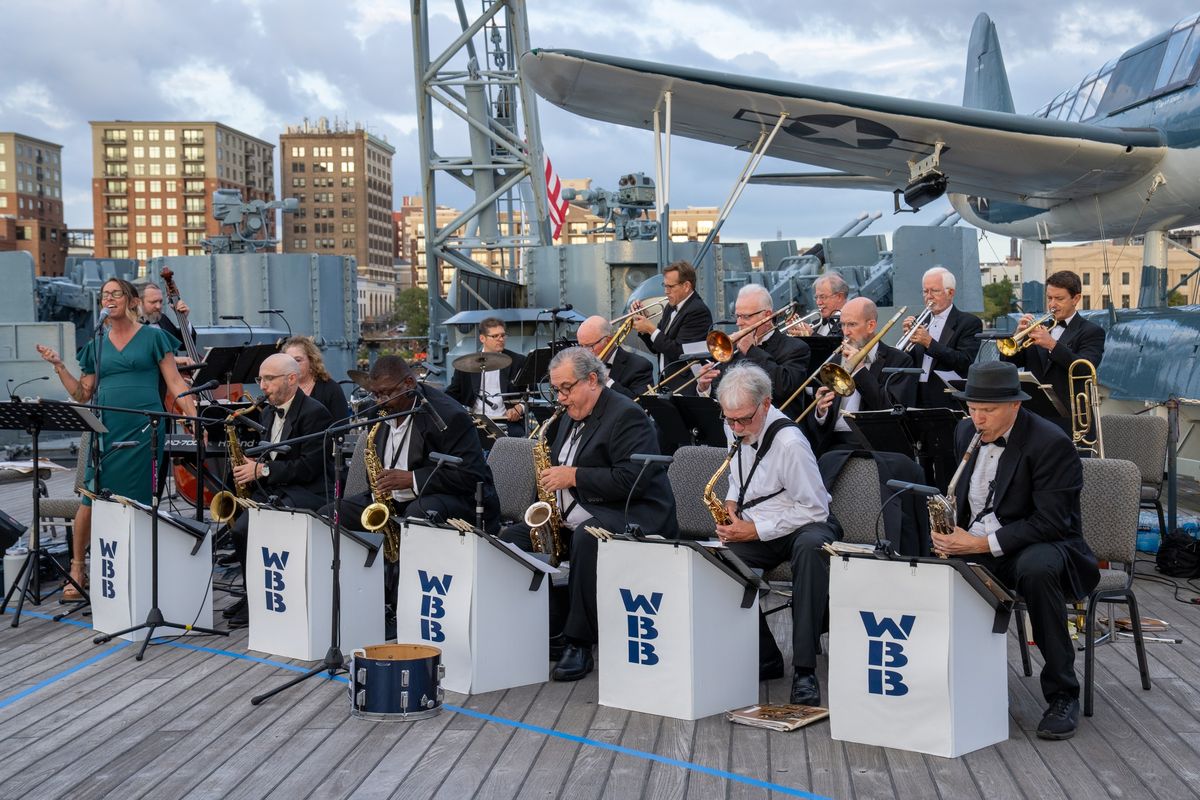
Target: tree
(1177,298)
(997,299)
(412,310)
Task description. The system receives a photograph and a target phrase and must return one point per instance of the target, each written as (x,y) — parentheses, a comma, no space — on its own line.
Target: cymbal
(481,362)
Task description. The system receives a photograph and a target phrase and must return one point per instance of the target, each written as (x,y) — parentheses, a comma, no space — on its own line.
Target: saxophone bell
(225,506)
(375,516)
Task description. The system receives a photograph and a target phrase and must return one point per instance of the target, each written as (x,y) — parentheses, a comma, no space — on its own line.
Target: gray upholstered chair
(689,472)
(511,462)
(1111,488)
(1142,439)
(356,471)
(54,511)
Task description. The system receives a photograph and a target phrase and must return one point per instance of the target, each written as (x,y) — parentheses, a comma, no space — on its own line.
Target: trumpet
(811,318)
(906,344)
(1020,340)
(840,379)
(618,336)
(1085,405)
(646,309)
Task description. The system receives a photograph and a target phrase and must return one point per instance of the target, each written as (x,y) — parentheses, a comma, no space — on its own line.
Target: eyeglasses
(741,421)
(752,314)
(671,285)
(500,335)
(933,291)
(116,294)
(592,346)
(566,388)
(261,379)
(390,391)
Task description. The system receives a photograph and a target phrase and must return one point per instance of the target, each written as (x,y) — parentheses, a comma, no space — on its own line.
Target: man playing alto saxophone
(780,512)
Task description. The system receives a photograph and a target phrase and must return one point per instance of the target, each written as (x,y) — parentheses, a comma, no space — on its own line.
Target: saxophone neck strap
(763,446)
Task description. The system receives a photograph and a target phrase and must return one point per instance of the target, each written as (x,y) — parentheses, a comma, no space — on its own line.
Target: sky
(260,65)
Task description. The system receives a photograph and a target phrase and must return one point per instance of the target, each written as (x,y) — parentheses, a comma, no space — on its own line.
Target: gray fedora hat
(992,382)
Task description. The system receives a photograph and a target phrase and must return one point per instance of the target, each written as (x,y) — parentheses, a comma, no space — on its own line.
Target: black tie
(279,412)
(999,441)
(666,318)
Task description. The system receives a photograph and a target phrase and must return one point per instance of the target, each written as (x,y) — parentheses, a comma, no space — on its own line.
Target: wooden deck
(82,721)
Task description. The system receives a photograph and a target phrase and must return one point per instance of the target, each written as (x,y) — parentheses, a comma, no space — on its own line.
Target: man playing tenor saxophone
(780,512)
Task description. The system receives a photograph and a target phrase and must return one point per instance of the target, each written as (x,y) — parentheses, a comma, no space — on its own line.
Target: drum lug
(360,700)
(404,700)
(404,678)
(426,702)
(362,675)
(441,693)
(441,671)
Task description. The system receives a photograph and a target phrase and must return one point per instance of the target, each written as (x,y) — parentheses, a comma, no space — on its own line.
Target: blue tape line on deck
(570,737)
(8,701)
(628,751)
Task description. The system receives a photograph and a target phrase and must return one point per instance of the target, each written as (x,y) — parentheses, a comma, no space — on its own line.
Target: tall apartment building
(152,183)
(31,206)
(342,177)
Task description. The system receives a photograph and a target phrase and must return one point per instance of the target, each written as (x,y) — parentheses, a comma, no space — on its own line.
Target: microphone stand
(633,530)
(334,661)
(883,547)
(154,617)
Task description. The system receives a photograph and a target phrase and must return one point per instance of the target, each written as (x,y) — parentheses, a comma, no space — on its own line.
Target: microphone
(646,459)
(902,370)
(437,418)
(258,450)
(241,319)
(479,505)
(204,387)
(567,307)
(440,458)
(445,458)
(249,423)
(883,546)
(125,445)
(16,398)
(279,313)
(104,313)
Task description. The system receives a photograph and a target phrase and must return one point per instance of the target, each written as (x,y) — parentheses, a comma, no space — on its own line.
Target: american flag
(558,206)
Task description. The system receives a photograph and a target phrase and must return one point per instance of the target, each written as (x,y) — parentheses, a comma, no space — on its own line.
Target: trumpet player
(873,390)
(829,293)
(628,374)
(780,513)
(297,477)
(784,359)
(945,346)
(1052,350)
(685,319)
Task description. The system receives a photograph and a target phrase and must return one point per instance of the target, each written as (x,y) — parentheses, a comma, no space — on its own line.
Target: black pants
(810,586)
(1038,573)
(573,610)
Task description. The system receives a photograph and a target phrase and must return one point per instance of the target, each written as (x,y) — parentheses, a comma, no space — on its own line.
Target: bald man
(628,373)
(873,390)
(297,477)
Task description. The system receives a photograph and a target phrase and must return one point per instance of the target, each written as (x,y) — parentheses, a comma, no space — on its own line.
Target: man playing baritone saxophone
(593,472)
(780,512)
(298,477)
(1019,516)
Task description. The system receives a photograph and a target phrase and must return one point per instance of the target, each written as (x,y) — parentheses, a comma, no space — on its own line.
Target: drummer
(483,381)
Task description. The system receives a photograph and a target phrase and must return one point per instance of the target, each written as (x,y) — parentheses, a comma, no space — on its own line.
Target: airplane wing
(1030,160)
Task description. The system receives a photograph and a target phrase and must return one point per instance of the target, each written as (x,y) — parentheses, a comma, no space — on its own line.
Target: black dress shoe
(241,617)
(232,611)
(575,663)
(228,560)
(1061,718)
(806,690)
(770,670)
(558,646)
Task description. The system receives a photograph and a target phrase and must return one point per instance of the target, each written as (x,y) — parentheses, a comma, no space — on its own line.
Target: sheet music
(538,564)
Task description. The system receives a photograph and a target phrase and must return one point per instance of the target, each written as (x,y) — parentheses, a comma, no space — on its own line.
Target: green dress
(128,379)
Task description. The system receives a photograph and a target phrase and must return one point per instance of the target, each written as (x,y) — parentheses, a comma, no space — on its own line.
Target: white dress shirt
(789,465)
(981,495)
(937,324)
(488,402)
(852,403)
(396,451)
(1058,330)
(662,363)
(277,424)
(573,513)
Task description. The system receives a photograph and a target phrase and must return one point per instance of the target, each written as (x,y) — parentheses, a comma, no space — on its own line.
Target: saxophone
(943,510)
(379,513)
(224,505)
(716,506)
(543,517)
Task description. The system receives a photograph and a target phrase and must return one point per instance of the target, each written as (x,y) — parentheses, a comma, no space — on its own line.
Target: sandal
(69,593)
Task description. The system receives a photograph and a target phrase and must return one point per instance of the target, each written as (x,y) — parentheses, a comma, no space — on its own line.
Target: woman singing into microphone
(131,358)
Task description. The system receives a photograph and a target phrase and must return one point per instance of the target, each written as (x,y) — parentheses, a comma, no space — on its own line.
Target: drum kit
(481,362)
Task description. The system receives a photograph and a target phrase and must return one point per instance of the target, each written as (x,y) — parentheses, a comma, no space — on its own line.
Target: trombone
(721,347)
(906,344)
(1020,340)
(838,378)
(1085,406)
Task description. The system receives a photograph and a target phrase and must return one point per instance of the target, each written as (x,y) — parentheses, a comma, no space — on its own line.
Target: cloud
(315,87)
(32,98)
(200,90)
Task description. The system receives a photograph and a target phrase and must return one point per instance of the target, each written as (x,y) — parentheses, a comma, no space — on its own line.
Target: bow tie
(1000,441)
(279,412)
(670,309)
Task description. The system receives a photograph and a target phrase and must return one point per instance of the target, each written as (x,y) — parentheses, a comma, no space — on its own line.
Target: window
(139,202)
(1124,301)
(155,152)
(1087,278)
(153,134)
(297,166)
(140,237)
(140,220)
(171,186)
(347,181)
(138,135)
(156,237)
(172,202)
(156,169)
(298,182)
(1124,278)
(169,136)
(156,220)
(347,166)
(138,169)
(168,151)
(139,187)
(298,152)
(1087,303)
(348,151)
(172,220)
(169,169)
(1133,79)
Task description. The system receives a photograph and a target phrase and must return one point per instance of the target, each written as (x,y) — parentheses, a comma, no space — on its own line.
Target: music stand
(702,415)
(1042,399)
(673,432)
(883,431)
(34,418)
(820,347)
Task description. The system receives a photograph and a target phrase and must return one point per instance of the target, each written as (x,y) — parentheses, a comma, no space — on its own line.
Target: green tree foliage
(1177,298)
(412,310)
(997,299)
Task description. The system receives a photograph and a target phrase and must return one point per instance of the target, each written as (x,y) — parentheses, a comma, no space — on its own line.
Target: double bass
(185,473)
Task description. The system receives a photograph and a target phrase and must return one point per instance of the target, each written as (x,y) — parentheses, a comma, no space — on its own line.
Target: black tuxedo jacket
(689,324)
(901,390)
(615,430)
(458,439)
(307,464)
(1038,484)
(785,360)
(954,350)
(165,324)
(630,373)
(1081,339)
(464,386)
